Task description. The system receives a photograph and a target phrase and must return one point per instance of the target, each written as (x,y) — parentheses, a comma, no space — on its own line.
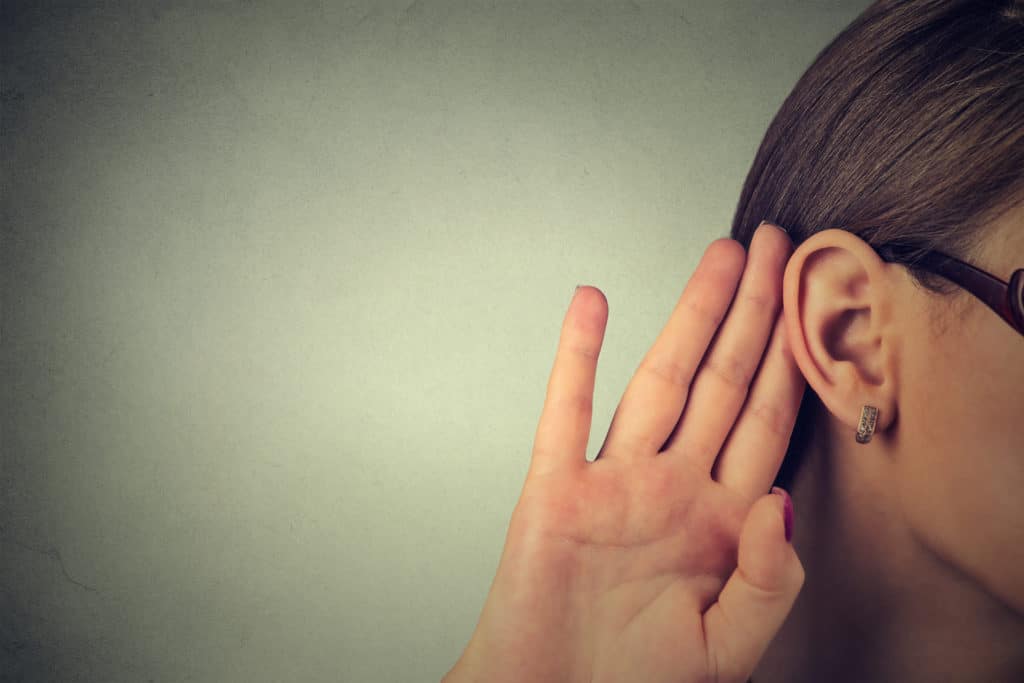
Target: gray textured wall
(282,285)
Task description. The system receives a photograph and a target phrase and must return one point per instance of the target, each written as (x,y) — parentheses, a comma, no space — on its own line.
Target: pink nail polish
(787,511)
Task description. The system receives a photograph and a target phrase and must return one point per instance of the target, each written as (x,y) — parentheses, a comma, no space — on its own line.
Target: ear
(838,303)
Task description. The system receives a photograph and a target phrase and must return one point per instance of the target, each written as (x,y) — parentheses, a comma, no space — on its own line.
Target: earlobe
(835,308)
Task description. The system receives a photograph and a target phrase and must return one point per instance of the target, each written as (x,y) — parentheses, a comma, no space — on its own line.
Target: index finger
(564,427)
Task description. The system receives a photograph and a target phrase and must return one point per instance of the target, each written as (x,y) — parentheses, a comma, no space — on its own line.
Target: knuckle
(580,404)
(759,591)
(703,450)
(772,417)
(758,300)
(583,350)
(667,369)
(798,575)
(730,369)
(709,315)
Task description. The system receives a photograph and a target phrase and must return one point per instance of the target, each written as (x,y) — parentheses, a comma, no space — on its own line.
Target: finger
(758,596)
(564,427)
(724,377)
(655,396)
(754,451)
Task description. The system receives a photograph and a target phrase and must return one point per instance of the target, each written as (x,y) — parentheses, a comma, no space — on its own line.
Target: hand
(625,568)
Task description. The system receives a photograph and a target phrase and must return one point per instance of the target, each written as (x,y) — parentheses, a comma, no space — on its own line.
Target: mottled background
(282,287)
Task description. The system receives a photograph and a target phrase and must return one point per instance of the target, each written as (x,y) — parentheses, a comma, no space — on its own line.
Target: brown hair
(908,127)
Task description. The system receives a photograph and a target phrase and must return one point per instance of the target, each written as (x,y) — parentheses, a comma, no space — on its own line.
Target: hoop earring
(868,419)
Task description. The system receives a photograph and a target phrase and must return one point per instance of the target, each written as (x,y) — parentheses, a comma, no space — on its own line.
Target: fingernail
(777,227)
(574,293)
(787,511)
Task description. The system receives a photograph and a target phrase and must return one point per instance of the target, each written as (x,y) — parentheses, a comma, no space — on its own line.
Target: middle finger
(722,383)
(655,397)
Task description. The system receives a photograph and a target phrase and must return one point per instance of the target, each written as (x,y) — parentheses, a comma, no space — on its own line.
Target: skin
(624,569)
(664,559)
(913,544)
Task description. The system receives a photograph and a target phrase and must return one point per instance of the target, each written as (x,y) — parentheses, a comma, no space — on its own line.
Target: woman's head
(909,128)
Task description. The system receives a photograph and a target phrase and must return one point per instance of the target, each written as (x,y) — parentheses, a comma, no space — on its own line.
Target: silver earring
(868,419)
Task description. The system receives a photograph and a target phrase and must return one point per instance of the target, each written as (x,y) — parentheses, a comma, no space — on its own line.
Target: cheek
(961,466)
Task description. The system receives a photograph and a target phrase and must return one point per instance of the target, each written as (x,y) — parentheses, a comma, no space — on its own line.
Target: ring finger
(656,394)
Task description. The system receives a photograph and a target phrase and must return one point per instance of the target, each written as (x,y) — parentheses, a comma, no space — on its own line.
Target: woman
(888,401)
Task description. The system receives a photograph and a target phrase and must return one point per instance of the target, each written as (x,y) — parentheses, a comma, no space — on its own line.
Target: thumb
(758,596)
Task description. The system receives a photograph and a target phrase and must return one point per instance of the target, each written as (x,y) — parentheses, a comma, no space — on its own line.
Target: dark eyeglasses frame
(995,293)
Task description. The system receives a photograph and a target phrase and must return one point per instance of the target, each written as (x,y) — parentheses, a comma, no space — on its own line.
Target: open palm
(664,558)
